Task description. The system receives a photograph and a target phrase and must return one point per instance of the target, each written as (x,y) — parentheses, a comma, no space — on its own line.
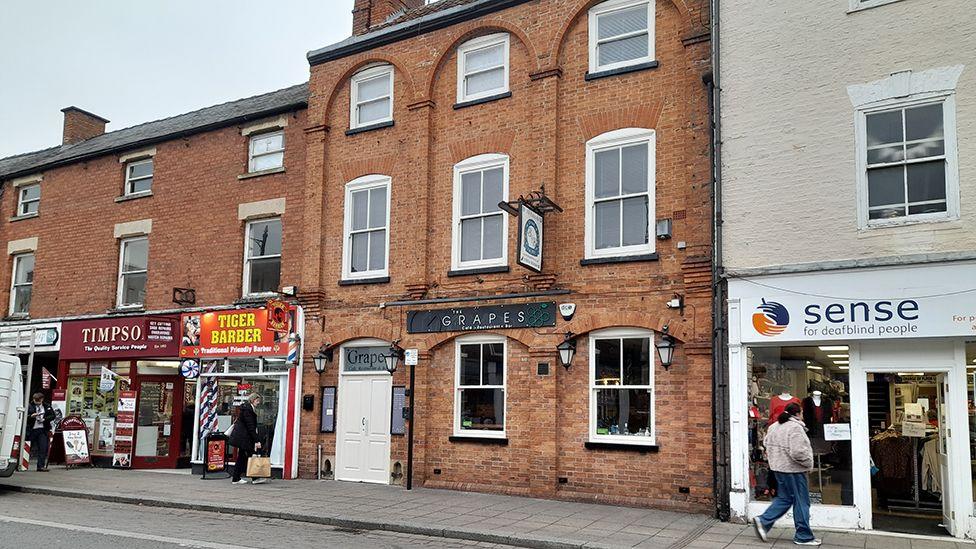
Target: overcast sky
(132,61)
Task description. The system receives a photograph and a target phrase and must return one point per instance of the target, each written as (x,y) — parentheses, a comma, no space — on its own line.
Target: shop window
(158,367)
(621,34)
(907,162)
(371,97)
(138,177)
(266,151)
(479,400)
(22,285)
(97,408)
(133,271)
(620,186)
(226,392)
(262,257)
(817,379)
(971,398)
(622,386)
(480,235)
(483,67)
(367,236)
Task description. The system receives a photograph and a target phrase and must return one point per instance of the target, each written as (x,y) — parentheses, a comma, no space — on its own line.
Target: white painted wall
(788,124)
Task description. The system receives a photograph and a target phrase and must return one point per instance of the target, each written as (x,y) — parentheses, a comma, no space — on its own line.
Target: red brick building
(418,126)
(102,229)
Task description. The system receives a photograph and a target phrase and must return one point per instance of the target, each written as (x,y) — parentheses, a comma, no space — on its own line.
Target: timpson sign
(123,337)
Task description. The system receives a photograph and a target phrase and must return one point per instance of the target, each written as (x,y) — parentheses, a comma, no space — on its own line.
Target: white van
(11,412)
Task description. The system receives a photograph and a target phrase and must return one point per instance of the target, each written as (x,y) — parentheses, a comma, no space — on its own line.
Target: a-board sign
(75,434)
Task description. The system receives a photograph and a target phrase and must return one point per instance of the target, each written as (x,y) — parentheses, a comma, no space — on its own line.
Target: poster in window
(328,410)
(530,238)
(397,422)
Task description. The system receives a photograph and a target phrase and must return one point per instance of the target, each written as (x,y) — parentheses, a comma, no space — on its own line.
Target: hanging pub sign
(278,312)
(230,333)
(492,317)
(123,337)
(529,238)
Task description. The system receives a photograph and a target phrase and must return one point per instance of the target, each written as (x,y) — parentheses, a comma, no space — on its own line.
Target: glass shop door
(158,422)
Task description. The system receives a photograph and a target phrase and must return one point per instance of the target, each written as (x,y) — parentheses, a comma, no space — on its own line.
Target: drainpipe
(720,371)
(410,432)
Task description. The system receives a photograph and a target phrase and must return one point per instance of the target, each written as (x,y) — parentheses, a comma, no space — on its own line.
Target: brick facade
(197,240)
(542,128)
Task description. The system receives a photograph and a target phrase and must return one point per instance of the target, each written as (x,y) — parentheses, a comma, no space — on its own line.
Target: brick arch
(581,9)
(645,116)
(524,336)
(583,324)
(465,32)
(378,165)
(366,331)
(355,63)
(499,142)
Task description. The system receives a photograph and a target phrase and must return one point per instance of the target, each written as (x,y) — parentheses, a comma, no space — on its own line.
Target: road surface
(28,520)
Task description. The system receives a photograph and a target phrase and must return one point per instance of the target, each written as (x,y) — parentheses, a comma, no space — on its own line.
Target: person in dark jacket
(244,437)
(39,418)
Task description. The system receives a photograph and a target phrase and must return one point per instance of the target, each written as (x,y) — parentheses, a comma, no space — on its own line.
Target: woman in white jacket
(790,459)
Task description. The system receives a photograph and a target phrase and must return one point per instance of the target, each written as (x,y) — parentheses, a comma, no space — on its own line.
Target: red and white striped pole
(25,448)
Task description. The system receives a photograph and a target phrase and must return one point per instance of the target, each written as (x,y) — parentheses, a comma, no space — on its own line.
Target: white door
(363,444)
(945,432)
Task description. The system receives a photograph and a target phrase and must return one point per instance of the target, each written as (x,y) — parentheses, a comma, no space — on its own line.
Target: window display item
(779,403)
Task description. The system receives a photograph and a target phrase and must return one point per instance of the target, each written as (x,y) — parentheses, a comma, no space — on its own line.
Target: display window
(480,398)
(95,407)
(622,386)
(817,379)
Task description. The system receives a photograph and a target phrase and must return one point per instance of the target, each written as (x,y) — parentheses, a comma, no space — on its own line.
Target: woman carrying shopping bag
(790,458)
(244,437)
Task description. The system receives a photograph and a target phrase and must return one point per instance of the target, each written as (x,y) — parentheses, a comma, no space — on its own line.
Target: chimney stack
(80,125)
(367,14)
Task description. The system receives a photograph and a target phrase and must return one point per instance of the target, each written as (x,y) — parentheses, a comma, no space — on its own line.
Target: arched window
(483,67)
(621,34)
(371,97)
(480,228)
(620,188)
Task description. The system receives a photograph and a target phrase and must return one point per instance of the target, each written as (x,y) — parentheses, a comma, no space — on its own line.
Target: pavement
(455,515)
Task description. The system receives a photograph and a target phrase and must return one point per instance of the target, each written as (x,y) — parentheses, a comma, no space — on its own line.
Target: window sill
(621,70)
(122,309)
(359,281)
(479,270)
(134,196)
(16,318)
(640,448)
(619,259)
(371,127)
(483,100)
(500,441)
(256,298)
(260,173)
(23,217)
(906,221)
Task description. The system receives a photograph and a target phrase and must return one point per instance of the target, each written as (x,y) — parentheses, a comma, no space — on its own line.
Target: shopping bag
(259,467)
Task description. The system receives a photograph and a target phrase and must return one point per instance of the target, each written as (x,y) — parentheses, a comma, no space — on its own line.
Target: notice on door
(837,431)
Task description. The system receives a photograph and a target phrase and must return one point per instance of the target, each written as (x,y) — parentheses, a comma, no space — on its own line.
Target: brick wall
(543,128)
(196,242)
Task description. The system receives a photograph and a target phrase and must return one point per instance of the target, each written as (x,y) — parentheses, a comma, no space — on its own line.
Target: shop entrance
(159,404)
(364,414)
(908,418)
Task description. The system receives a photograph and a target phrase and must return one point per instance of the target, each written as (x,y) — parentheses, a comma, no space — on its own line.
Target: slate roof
(413,22)
(205,119)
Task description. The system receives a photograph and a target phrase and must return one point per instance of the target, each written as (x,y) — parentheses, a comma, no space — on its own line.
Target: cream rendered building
(848,246)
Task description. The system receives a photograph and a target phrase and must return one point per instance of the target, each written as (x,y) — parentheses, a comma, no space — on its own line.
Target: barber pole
(293,345)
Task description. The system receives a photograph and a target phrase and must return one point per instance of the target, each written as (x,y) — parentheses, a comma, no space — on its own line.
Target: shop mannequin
(817,411)
(778,403)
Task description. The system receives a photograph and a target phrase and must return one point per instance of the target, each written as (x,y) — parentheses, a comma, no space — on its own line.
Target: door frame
(933,357)
(168,462)
(341,398)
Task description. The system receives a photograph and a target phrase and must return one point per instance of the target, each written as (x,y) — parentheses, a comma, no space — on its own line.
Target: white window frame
(951,159)
(21,202)
(626,333)
(612,140)
(368,74)
(476,164)
(245,289)
(123,242)
(360,184)
(482,42)
(129,180)
(251,156)
(594,42)
(13,284)
(480,339)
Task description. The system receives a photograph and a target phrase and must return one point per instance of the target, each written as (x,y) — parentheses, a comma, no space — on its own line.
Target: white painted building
(848,240)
